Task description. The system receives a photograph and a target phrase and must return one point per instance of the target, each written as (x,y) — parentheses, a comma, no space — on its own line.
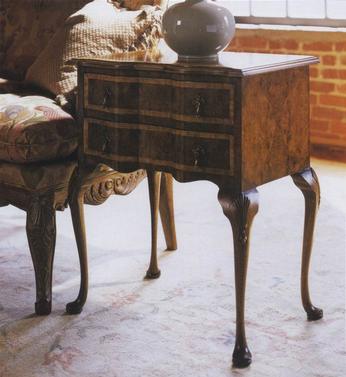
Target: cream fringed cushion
(98,29)
(137,4)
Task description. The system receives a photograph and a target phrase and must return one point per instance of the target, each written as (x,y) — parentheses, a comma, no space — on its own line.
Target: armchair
(39,139)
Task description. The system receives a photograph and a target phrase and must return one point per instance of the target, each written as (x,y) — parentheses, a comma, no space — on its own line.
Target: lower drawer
(158,146)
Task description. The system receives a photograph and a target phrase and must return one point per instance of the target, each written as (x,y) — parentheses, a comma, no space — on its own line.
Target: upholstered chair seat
(37,177)
(34,128)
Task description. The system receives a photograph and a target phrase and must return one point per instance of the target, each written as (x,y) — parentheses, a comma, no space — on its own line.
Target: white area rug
(183,324)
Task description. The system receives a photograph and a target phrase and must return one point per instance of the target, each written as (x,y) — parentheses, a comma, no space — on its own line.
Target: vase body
(198,29)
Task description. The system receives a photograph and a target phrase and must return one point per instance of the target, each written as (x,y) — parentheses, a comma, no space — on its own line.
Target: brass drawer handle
(200,156)
(198,104)
(107,97)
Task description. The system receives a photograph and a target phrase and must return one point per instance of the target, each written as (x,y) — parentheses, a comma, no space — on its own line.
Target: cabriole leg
(240,210)
(154,180)
(307,182)
(41,233)
(76,203)
(167,211)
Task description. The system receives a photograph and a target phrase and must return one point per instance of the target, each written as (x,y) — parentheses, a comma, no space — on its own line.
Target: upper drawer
(182,101)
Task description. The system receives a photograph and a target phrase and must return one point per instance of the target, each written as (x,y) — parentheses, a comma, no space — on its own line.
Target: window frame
(291,21)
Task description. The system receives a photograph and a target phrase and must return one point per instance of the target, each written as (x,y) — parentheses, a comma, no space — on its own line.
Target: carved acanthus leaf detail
(113,183)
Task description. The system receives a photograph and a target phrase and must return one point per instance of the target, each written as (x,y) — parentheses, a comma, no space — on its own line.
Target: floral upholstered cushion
(26,26)
(98,29)
(36,177)
(34,128)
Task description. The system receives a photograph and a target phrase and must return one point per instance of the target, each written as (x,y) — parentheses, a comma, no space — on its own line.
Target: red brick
(318,46)
(313,99)
(340,46)
(330,100)
(314,72)
(325,135)
(319,125)
(233,48)
(232,45)
(334,73)
(341,88)
(275,45)
(284,44)
(343,59)
(327,113)
(338,128)
(252,42)
(320,86)
(329,60)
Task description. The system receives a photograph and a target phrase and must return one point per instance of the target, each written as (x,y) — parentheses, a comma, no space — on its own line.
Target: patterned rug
(182,324)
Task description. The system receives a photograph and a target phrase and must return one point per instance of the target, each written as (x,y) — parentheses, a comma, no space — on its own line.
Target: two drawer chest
(239,123)
(191,122)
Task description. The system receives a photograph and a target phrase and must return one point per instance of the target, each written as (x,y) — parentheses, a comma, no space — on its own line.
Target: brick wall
(328,79)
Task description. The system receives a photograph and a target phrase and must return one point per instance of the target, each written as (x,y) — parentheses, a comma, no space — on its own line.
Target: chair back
(26,26)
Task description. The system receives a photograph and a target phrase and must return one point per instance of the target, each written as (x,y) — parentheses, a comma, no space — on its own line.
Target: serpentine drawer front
(189,102)
(184,150)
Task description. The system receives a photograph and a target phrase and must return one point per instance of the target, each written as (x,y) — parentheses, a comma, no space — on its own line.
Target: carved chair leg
(94,186)
(154,180)
(41,233)
(167,211)
(76,203)
(307,182)
(240,211)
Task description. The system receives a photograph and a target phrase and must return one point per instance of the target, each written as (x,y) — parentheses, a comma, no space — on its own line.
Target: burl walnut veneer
(239,123)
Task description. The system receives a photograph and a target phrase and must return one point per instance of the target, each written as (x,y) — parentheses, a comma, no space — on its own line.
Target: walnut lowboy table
(239,123)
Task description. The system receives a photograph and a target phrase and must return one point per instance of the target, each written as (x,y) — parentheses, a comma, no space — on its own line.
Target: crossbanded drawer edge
(174,83)
(172,164)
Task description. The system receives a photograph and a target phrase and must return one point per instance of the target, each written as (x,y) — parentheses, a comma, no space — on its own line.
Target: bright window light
(295,12)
